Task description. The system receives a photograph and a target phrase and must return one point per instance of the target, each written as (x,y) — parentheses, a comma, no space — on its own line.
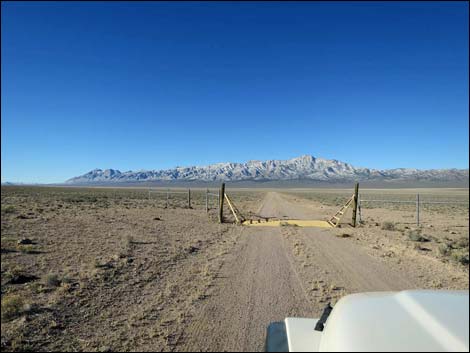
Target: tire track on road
(258,284)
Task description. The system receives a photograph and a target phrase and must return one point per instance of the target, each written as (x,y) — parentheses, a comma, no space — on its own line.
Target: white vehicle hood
(403,321)
(390,321)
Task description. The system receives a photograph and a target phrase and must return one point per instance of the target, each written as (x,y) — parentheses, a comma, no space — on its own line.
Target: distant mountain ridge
(304,167)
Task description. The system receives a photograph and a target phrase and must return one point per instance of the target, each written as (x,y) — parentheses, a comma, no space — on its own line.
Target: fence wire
(418,202)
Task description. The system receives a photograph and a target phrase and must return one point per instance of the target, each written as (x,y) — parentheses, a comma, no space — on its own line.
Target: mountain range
(304,167)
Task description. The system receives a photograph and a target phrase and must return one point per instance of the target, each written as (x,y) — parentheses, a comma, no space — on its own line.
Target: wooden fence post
(355,203)
(221,203)
(167,197)
(189,198)
(207,200)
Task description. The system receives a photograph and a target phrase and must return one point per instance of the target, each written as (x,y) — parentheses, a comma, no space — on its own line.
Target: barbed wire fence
(418,202)
(208,198)
(170,197)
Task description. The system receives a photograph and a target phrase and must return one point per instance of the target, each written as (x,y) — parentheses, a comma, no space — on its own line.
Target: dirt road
(283,271)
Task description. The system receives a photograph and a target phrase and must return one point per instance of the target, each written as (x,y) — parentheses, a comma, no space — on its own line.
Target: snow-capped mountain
(304,167)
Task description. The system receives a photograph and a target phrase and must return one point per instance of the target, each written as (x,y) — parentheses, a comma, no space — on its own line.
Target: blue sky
(154,85)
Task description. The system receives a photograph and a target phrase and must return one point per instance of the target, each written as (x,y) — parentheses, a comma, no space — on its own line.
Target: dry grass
(12,306)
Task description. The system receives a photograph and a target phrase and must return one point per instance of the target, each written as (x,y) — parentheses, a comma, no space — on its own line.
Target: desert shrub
(417,247)
(457,250)
(52,280)
(388,226)
(12,306)
(415,235)
(103,264)
(97,263)
(462,242)
(17,275)
(460,257)
(25,241)
(444,249)
(8,209)
(66,279)
(26,249)
(127,243)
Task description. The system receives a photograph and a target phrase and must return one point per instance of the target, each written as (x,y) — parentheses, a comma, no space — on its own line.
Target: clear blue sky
(154,85)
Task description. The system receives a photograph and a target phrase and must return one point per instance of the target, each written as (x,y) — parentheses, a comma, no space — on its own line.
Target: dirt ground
(112,270)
